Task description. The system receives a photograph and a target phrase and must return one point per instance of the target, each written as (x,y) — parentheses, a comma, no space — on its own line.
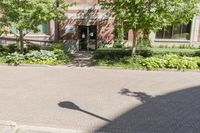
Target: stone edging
(101,67)
(12,127)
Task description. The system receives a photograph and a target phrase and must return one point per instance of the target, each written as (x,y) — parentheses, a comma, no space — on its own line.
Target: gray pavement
(101,100)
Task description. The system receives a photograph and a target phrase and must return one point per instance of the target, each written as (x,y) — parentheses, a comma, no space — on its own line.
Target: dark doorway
(87,37)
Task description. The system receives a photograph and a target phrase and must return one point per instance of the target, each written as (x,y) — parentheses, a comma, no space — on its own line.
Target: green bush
(117,53)
(1,48)
(15,59)
(38,57)
(31,47)
(125,62)
(2,60)
(145,51)
(177,51)
(8,49)
(143,42)
(171,61)
(111,53)
(11,48)
(60,55)
(54,46)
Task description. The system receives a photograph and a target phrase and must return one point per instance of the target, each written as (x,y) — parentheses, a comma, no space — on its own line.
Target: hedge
(169,61)
(117,53)
(111,53)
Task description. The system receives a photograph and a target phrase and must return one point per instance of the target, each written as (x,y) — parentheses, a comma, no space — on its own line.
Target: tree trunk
(122,32)
(21,41)
(146,38)
(134,44)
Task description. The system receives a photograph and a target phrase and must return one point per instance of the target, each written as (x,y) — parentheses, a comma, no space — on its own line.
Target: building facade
(87,26)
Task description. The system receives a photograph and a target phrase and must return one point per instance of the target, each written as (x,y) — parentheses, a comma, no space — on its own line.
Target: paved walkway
(82,59)
(89,99)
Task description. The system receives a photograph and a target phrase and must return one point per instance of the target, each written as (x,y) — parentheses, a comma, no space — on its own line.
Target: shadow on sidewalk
(143,97)
(176,112)
(71,105)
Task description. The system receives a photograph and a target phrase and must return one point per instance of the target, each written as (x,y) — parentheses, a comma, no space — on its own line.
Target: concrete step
(82,59)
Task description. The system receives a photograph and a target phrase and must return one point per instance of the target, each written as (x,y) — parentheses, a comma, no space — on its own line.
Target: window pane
(168,33)
(126,36)
(177,31)
(159,34)
(43,28)
(186,31)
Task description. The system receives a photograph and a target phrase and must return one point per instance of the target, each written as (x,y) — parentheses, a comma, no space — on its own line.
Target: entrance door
(87,37)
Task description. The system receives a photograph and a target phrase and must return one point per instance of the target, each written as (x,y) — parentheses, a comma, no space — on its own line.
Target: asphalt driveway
(89,99)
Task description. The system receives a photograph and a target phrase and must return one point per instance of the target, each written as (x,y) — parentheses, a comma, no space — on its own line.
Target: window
(43,29)
(179,32)
(126,36)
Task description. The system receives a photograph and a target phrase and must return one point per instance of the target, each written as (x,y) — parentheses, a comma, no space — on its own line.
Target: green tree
(26,15)
(151,15)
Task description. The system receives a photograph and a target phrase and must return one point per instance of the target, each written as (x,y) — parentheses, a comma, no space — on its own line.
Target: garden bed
(149,58)
(52,55)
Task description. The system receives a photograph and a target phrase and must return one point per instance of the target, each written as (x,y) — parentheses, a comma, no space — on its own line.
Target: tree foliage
(26,15)
(151,15)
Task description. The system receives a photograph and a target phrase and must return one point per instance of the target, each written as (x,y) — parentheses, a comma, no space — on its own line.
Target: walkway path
(82,59)
(89,99)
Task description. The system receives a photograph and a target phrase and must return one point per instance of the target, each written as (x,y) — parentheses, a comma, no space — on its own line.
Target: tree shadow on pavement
(176,112)
(71,105)
(143,97)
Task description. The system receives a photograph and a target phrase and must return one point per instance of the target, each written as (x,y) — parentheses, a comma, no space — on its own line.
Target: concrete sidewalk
(12,127)
(100,100)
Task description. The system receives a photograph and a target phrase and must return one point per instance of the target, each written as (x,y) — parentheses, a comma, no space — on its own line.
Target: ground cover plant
(149,58)
(35,54)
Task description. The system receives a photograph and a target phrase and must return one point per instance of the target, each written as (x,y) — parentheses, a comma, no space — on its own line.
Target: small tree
(26,15)
(151,15)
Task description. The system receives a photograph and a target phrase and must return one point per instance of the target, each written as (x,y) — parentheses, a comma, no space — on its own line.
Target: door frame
(87,36)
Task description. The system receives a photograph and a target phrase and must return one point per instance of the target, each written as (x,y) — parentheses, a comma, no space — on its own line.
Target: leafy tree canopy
(151,15)
(27,15)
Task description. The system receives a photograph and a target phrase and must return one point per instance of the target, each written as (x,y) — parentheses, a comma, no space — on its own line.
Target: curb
(8,127)
(12,127)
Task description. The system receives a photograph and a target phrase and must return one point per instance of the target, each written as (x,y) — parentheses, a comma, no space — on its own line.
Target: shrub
(111,53)
(60,55)
(177,51)
(54,46)
(11,48)
(143,42)
(2,60)
(117,53)
(145,52)
(171,61)
(31,47)
(15,58)
(7,49)
(197,53)
(1,48)
(38,57)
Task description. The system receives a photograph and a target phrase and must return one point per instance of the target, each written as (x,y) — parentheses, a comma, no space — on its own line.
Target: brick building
(87,25)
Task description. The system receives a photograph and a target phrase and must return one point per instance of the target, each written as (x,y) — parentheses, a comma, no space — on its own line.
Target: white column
(52,29)
(195,29)
(152,36)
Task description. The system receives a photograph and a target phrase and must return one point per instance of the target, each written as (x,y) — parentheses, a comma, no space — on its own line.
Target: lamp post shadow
(72,106)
